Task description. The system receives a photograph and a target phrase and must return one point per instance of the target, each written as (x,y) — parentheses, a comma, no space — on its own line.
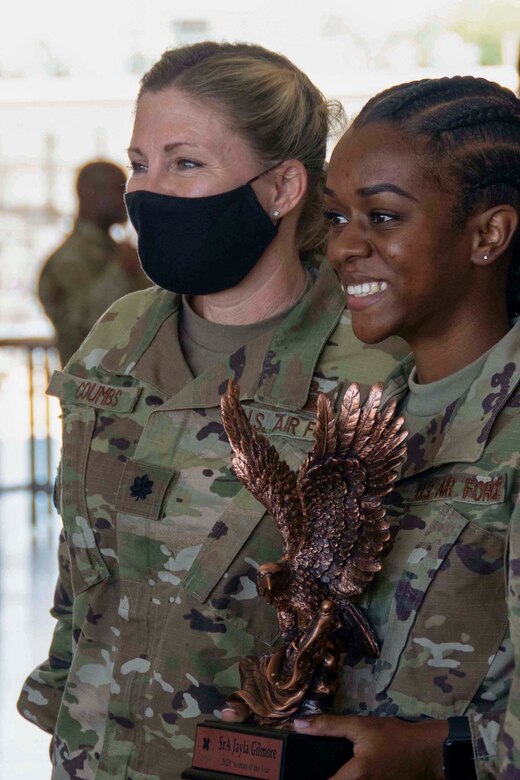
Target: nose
(148,181)
(347,245)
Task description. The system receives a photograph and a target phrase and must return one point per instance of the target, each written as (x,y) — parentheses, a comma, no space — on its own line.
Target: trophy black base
(235,751)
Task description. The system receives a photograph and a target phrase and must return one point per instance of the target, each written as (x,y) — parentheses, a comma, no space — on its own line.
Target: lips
(365,289)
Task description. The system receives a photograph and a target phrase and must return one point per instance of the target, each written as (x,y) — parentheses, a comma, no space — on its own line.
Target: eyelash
(192,164)
(387,218)
(376,217)
(135,166)
(330,216)
(182,164)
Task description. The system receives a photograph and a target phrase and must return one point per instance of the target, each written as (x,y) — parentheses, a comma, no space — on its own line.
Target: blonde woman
(156,600)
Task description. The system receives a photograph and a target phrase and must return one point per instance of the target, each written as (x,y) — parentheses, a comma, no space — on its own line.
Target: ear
(494,232)
(290,185)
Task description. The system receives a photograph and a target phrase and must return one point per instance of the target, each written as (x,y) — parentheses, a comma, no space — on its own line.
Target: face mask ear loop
(268,170)
(274,214)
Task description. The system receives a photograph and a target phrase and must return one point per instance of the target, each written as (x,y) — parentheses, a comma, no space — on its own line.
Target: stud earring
(275,214)
(485,257)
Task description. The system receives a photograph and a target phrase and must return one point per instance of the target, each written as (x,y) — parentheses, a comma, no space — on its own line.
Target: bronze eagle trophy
(332,521)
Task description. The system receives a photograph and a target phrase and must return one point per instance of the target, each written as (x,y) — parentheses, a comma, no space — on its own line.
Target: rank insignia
(141,488)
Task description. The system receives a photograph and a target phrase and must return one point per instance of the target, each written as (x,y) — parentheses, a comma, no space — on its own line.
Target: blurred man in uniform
(90,270)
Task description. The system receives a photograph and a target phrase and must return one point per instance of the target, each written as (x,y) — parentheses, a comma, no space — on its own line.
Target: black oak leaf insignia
(141,488)
(205,743)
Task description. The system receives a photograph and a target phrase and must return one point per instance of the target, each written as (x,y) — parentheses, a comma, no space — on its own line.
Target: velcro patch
(469,488)
(320,385)
(291,424)
(73,390)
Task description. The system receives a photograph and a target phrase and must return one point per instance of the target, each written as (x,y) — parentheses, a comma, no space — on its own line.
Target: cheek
(132,185)
(414,261)
(333,249)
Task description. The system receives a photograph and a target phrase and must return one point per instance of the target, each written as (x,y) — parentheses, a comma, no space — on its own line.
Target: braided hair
(469,129)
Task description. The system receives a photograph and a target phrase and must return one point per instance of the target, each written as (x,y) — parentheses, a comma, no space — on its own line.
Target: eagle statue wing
(259,467)
(351,467)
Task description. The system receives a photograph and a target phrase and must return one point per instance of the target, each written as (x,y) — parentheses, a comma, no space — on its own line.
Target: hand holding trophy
(334,529)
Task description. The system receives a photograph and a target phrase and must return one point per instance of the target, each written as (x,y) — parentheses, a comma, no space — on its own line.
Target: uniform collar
(275,368)
(465,425)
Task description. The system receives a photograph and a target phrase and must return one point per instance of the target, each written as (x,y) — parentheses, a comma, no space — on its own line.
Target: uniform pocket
(142,489)
(88,566)
(142,539)
(208,567)
(223,576)
(448,618)
(216,579)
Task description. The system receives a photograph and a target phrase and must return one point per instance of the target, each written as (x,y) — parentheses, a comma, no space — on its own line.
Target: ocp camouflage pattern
(508,761)
(156,601)
(79,281)
(439,604)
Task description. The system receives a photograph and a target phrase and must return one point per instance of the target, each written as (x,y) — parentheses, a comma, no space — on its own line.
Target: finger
(235,712)
(329,725)
(349,771)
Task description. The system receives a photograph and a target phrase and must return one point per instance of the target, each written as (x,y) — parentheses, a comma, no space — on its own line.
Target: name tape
(72,389)
(474,489)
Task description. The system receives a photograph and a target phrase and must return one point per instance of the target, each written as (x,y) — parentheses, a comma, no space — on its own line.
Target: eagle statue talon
(331,517)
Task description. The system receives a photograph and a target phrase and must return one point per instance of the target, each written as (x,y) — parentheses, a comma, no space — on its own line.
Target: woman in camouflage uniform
(156,600)
(423,203)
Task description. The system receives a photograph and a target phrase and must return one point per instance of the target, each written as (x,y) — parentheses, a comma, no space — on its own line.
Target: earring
(275,214)
(485,257)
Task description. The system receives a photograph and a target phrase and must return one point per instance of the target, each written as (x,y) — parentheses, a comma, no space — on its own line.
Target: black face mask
(198,246)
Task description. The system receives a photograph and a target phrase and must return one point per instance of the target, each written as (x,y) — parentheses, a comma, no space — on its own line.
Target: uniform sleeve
(74,297)
(111,285)
(509,738)
(64,294)
(40,698)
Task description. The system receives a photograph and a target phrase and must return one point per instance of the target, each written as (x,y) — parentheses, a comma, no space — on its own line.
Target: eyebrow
(175,145)
(166,148)
(375,189)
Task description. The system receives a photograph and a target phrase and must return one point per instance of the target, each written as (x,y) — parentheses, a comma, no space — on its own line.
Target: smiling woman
(416,255)
(408,268)
(423,203)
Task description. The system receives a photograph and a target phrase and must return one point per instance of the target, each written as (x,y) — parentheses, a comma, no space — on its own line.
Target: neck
(437,358)
(275,284)
(96,219)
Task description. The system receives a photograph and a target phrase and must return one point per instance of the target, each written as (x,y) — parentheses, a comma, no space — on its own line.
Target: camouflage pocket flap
(142,489)
(89,565)
(458,630)
(241,517)
(218,552)
(74,390)
(419,571)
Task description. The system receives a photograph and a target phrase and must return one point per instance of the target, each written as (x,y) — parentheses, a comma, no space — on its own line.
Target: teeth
(368,288)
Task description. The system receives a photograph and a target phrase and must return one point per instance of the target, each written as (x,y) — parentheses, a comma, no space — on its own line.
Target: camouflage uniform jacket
(439,603)
(508,762)
(79,281)
(156,600)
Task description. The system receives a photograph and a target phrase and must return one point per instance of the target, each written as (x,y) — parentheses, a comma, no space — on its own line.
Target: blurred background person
(90,270)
